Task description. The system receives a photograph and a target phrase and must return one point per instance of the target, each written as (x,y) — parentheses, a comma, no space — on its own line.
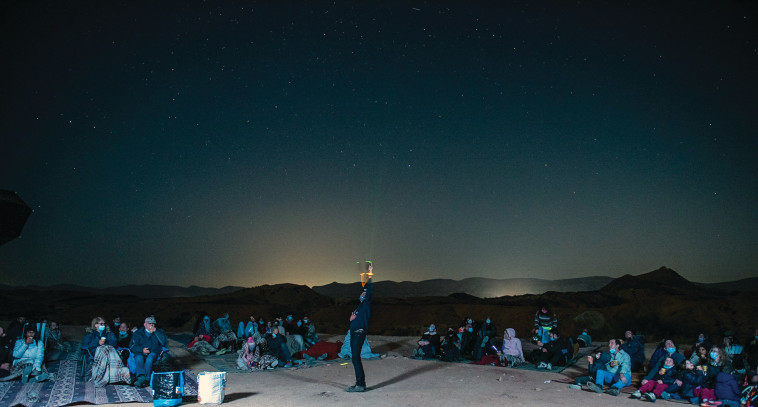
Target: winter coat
(726,387)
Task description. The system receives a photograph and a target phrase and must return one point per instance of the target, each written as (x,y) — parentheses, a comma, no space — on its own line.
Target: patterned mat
(68,387)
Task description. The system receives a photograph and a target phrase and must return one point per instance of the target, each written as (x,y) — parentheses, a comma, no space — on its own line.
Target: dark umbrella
(13,215)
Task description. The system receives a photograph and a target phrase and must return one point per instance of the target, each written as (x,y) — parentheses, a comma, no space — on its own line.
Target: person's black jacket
(123,342)
(690,380)
(276,345)
(15,330)
(434,340)
(5,350)
(468,340)
(363,311)
(488,332)
(562,346)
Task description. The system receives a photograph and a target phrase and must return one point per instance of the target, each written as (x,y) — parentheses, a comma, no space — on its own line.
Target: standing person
(358,329)
(147,345)
(544,321)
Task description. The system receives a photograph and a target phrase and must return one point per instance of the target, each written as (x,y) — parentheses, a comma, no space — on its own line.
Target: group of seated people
(706,373)
(115,352)
(474,340)
(262,344)
(121,354)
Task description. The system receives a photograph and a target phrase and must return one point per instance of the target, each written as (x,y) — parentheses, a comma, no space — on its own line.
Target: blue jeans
(144,363)
(604,377)
(356,344)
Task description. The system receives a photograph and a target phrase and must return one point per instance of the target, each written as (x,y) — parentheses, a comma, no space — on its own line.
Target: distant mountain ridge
(474,286)
(140,291)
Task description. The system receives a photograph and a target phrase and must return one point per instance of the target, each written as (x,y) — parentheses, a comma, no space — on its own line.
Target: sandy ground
(398,380)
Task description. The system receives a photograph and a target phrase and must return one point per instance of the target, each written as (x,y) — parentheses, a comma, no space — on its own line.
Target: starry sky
(247,143)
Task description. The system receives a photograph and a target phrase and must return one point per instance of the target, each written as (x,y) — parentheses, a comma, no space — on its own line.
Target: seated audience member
(55,341)
(716,364)
(225,337)
(147,344)
(468,341)
(659,381)
(99,334)
(28,355)
(688,378)
(429,344)
(751,350)
(277,347)
(727,390)
(634,346)
(451,346)
(5,354)
(311,338)
(115,324)
(247,330)
(123,340)
(200,346)
(294,335)
(699,355)
(261,358)
(16,329)
(544,321)
(205,329)
(107,365)
(702,340)
(734,353)
(486,339)
(512,352)
(594,362)
(668,349)
(584,339)
(554,353)
(613,367)
(246,355)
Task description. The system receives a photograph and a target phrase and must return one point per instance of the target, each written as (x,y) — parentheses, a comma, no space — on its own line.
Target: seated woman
(123,339)
(699,355)
(107,366)
(28,354)
(512,350)
(716,363)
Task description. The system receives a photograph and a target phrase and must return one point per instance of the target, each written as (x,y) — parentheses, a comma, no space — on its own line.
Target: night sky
(247,143)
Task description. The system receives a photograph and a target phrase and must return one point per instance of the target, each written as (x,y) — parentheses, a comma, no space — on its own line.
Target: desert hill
(657,304)
(142,291)
(478,287)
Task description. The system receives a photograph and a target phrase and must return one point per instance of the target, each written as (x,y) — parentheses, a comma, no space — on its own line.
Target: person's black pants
(356,344)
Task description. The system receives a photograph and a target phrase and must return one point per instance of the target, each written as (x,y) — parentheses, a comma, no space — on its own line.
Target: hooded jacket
(512,346)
